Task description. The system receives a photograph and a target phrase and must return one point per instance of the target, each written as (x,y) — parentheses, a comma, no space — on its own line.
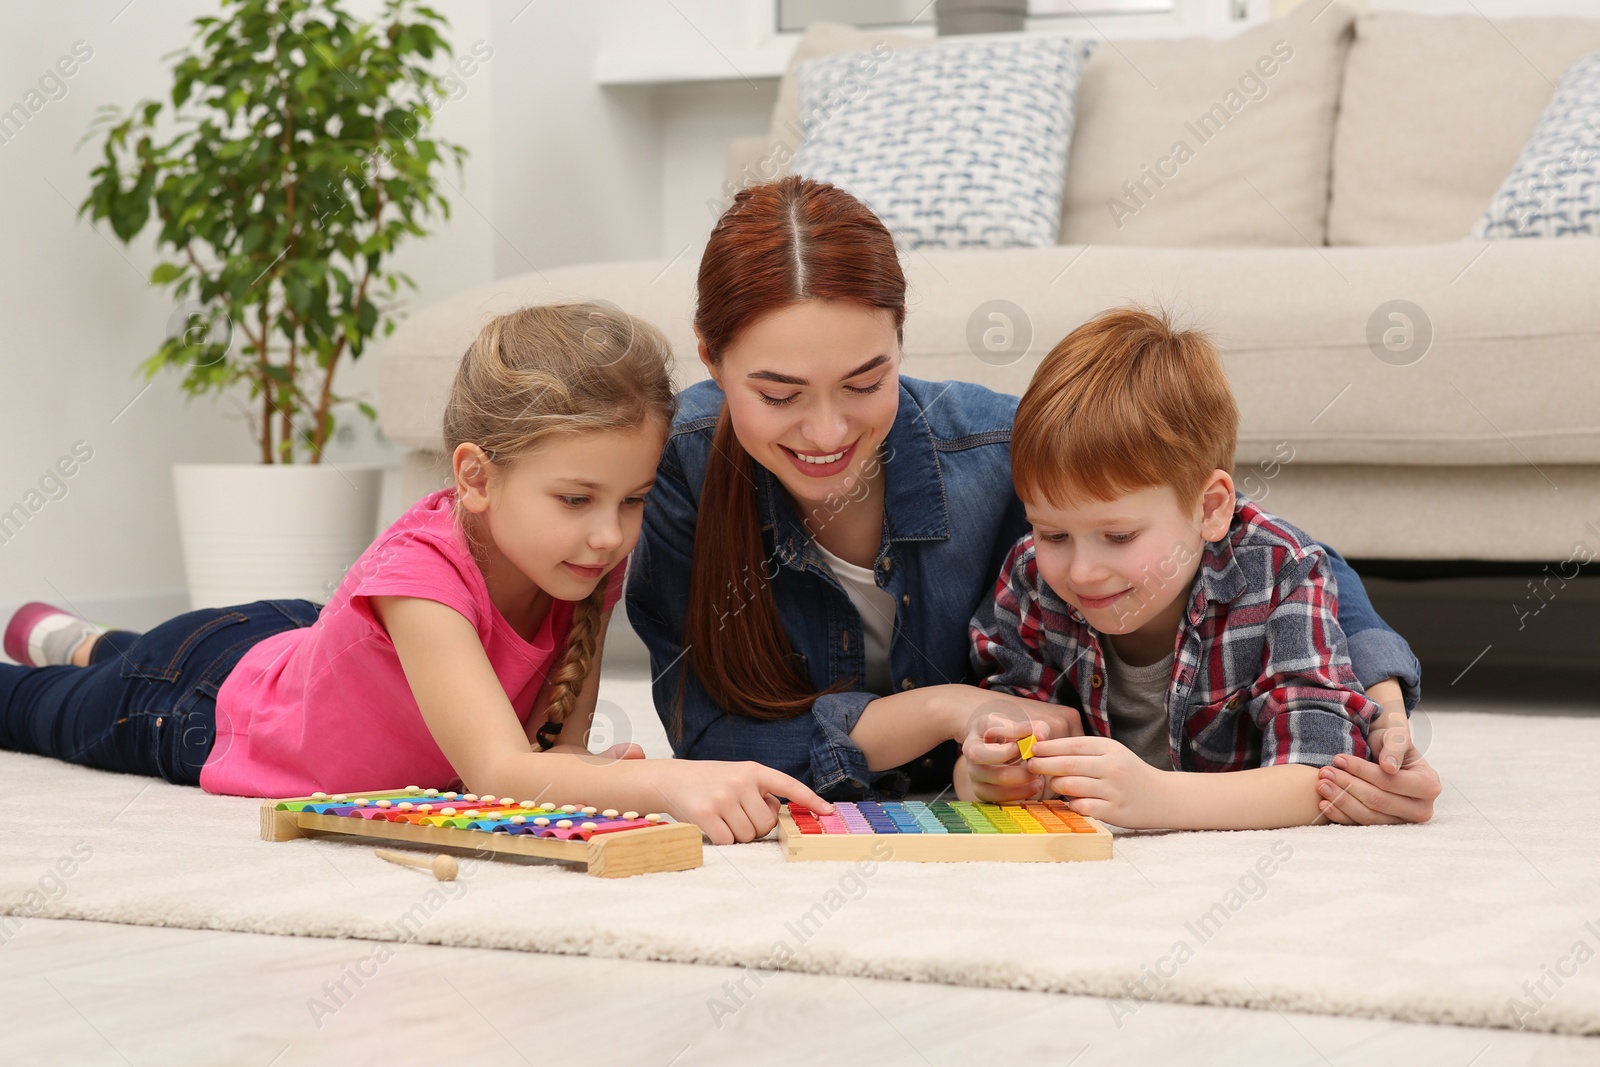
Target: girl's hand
(623,751)
(729,801)
(1103,779)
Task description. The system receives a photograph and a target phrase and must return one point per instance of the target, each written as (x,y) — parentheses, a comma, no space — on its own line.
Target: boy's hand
(994,763)
(1102,778)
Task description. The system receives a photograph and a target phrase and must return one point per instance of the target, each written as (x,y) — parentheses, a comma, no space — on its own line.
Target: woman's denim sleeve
(1376,651)
(838,766)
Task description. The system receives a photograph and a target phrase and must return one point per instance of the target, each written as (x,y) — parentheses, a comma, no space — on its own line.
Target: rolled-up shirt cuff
(838,766)
(1378,654)
(1315,736)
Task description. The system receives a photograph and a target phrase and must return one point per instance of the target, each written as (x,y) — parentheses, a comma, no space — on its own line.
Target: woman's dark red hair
(776,245)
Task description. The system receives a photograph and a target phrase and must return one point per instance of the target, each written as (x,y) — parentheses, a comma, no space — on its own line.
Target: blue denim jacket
(950,518)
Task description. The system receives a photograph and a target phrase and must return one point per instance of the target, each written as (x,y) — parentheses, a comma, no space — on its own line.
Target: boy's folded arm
(1303,726)
(1262,798)
(1305,704)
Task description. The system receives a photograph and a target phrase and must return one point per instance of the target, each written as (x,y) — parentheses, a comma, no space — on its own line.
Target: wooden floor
(89,993)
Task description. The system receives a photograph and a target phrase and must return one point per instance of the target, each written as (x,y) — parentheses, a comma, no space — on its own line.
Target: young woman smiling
(822,529)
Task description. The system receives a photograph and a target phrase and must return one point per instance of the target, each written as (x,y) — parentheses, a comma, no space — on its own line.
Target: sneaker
(42,635)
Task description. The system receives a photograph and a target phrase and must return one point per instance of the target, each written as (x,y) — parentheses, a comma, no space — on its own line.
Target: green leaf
(214,173)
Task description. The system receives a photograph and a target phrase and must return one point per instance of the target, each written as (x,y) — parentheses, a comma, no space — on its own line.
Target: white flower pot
(272,532)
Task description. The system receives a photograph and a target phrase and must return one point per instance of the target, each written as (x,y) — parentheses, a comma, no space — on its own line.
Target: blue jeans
(147,703)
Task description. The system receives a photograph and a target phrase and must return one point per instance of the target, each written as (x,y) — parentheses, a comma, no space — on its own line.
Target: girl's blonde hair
(559,369)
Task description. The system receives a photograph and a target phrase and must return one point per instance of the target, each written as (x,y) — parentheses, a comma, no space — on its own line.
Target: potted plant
(291,162)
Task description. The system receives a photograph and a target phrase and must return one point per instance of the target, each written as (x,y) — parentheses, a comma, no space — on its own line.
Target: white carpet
(1488,916)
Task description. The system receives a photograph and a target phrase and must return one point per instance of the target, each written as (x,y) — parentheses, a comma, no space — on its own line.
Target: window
(794,15)
(1092,8)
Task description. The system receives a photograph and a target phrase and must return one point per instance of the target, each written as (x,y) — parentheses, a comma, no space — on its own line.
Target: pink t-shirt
(328,708)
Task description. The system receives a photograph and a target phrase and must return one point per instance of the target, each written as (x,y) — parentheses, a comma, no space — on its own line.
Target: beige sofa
(1345,179)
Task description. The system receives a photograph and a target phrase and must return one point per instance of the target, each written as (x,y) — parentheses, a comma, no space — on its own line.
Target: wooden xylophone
(609,843)
(943,831)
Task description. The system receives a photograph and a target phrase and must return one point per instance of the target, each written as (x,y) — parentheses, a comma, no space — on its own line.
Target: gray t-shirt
(1136,703)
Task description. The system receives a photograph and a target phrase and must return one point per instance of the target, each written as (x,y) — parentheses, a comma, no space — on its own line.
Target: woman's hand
(994,766)
(729,801)
(1397,786)
(897,728)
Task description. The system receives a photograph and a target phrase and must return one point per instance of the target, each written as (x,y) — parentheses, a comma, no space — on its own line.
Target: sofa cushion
(1554,189)
(820,39)
(962,145)
(1193,141)
(1434,112)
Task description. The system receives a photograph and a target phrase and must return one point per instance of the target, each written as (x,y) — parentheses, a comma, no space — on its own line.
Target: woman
(822,529)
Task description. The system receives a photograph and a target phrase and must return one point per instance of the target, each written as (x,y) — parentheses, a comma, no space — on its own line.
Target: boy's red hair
(1123,403)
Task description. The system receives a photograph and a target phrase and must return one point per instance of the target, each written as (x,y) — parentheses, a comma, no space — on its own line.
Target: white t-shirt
(876,609)
(1136,704)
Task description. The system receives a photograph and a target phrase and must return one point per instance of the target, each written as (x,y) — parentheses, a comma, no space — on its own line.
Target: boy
(1196,631)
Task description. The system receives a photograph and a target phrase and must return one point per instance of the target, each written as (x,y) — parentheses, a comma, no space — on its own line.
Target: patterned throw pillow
(1554,189)
(957,145)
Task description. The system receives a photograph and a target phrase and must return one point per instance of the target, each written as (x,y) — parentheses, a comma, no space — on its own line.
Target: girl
(463,646)
(822,528)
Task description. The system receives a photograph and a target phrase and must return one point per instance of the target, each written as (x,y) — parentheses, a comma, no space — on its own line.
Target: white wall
(573,168)
(77,316)
(586,172)
(698,122)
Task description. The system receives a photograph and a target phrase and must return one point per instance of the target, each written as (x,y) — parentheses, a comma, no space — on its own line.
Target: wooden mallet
(443,867)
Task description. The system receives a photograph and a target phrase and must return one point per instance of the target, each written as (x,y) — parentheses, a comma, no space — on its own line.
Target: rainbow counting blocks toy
(1034,831)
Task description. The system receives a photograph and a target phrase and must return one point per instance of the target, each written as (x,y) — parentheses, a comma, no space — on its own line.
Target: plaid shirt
(1261,675)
